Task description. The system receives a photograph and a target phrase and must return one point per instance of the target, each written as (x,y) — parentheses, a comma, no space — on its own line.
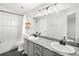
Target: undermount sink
(63,48)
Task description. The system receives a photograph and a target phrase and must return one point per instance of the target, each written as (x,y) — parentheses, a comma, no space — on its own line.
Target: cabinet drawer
(36,53)
(47,52)
(37,48)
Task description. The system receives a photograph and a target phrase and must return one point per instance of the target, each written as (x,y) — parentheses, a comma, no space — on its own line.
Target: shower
(10,30)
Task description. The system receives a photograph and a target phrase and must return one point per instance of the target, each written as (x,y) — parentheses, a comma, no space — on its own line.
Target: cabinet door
(47,52)
(37,50)
(30,48)
(25,45)
(37,53)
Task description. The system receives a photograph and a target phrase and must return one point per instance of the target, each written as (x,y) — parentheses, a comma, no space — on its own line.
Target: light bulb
(51,10)
(45,12)
(55,8)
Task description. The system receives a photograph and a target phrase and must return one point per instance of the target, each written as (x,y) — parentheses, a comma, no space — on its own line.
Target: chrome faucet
(64,38)
(63,41)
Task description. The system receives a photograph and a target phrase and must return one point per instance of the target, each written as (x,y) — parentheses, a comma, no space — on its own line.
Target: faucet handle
(64,38)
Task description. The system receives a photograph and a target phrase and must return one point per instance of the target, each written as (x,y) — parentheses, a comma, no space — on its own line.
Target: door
(71,26)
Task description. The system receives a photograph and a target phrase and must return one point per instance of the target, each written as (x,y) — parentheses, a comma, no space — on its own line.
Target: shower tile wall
(8,30)
(10,26)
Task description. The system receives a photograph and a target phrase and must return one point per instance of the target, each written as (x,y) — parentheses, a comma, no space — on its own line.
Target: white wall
(10,25)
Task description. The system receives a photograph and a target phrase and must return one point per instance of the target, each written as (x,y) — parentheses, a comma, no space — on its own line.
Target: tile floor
(13,52)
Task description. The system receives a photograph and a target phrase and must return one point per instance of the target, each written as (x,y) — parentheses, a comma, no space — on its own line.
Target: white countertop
(46,43)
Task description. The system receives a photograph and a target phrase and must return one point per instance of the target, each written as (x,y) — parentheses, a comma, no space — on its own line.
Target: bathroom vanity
(42,47)
(64,23)
(34,49)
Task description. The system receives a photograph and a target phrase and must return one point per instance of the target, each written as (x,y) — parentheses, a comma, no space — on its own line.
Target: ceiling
(26,7)
(53,9)
(20,7)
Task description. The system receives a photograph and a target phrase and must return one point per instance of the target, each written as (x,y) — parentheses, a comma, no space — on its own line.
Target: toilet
(20,45)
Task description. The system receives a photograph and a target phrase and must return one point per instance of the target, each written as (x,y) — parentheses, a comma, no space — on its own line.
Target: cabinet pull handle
(37,54)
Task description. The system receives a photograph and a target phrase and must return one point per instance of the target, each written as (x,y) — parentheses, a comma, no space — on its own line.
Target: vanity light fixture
(46,10)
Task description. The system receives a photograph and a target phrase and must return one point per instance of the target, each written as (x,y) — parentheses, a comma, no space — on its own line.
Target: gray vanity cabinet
(38,50)
(33,49)
(29,48)
(47,52)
